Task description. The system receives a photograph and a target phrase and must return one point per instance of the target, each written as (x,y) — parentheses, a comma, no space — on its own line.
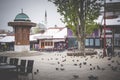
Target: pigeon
(62,69)
(90,77)
(114,68)
(84,63)
(58,62)
(64,60)
(73,60)
(112,61)
(86,59)
(90,68)
(77,60)
(76,76)
(93,77)
(61,65)
(57,68)
(56,58)
(109,58)
(109,64)
(37,70)
(118,62)
(80,66)
(103,69)
(75,64)
(35,73)
(91,56)
(98,67)
(90,64)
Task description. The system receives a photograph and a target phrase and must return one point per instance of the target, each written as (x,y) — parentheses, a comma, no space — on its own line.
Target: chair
(1,59)
(16,61)
(9,73)
(30,67)
(14,73)
(5,59)
(21,68)
(11,62)
(25,70)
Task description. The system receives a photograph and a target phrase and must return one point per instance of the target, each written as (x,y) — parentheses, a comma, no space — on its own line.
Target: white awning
(108,36)
(109,22)
(61,34)
(58,40)
(8,39)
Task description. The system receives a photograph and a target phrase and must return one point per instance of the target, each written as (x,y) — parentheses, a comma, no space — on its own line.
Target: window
(86,42)
(45,43)
(116,42)
(97,42)
(51,43)
(48,43)
(89,42)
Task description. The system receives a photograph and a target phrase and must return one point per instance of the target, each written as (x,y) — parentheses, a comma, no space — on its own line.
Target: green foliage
(91,27)
(75,13)
(72,27)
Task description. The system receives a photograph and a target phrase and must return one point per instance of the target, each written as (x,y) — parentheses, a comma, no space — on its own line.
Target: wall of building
(19,48)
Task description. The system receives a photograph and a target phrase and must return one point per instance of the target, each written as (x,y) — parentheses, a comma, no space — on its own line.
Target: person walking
(109,50)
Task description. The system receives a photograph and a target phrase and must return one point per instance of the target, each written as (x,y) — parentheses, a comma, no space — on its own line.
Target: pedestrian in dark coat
(109,49)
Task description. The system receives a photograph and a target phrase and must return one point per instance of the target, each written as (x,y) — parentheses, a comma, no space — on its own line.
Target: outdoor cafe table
(7,67)
(6,71)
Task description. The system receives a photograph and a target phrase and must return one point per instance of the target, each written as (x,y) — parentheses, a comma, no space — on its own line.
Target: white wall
(21,48)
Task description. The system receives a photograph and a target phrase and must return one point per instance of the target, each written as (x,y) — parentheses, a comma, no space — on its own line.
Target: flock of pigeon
(61,60)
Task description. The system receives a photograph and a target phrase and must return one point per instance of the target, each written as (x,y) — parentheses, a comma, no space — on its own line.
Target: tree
(79,15)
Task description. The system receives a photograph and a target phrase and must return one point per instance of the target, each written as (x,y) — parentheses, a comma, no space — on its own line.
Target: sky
(35,9)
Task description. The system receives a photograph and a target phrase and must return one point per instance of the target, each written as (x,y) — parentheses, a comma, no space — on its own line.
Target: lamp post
(104,49)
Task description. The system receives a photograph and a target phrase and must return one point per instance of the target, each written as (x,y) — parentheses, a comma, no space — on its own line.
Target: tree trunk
(82,27)
(81,45)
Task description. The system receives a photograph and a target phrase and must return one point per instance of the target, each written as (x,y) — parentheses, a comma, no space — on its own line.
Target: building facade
(109,20)
(21,26)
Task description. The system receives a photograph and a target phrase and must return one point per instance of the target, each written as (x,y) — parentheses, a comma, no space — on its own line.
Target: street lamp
(104,49)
